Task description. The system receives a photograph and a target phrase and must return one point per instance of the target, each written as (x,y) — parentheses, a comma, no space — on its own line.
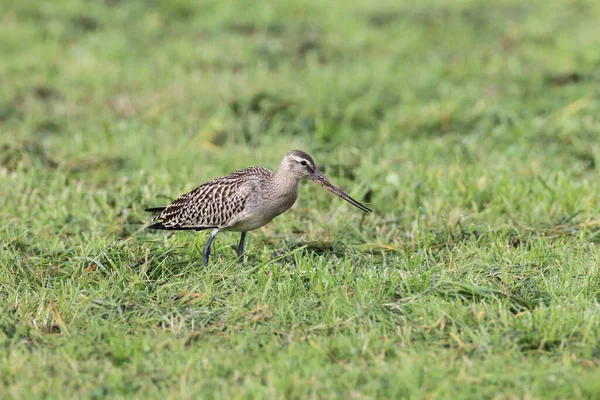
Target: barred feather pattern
(214,204)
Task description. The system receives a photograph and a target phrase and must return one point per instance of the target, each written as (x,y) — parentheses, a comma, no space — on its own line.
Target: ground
(470,127)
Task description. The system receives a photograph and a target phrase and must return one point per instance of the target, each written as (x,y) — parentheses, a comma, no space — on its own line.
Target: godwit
(243,200)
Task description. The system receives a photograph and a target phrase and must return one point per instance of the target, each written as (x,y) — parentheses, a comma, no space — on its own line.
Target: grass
(470,127)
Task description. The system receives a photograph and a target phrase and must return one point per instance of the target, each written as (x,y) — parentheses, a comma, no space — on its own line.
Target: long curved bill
(317,177)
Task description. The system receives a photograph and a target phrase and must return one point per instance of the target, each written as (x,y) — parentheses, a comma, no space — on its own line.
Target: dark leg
(206,251)
(240,248)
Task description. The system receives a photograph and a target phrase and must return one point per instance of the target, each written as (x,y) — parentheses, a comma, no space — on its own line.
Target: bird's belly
(254,217)
(250,221)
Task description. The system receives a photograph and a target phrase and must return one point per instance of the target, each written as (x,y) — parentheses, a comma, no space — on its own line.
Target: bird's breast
(262,207)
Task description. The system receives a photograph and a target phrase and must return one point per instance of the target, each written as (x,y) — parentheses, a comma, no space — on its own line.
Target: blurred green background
(470,127)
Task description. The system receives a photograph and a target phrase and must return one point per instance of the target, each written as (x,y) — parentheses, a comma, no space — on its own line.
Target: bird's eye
(303,162)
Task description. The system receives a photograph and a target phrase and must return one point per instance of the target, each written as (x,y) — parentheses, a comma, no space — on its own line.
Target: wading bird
(243,200)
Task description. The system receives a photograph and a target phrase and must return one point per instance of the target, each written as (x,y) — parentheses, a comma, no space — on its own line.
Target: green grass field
(471,128)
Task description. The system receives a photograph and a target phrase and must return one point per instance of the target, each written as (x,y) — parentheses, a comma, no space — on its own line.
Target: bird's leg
(240,248)
(206,251)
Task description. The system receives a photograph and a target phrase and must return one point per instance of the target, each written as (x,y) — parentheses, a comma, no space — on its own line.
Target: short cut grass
(470,127)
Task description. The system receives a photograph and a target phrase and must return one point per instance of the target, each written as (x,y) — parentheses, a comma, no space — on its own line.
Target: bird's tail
(157,225)
(150,224)
(155,209)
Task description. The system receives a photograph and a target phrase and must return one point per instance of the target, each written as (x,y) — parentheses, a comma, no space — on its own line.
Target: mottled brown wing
(210,205)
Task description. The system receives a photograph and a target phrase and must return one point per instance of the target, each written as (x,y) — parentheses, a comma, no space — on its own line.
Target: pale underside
(240,201)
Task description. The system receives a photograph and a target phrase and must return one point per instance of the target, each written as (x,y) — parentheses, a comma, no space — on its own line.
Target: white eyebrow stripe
(300,159)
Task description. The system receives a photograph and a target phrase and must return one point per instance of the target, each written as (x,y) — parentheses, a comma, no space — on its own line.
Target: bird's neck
(285,181)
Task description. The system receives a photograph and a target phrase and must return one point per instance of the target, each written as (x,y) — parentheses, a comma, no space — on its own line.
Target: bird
(243,200)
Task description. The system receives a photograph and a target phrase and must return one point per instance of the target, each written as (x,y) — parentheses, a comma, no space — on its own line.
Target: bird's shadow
(316,247)
(163,263)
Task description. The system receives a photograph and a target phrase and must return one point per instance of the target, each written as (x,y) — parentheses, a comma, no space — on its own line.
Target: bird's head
(301,166)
